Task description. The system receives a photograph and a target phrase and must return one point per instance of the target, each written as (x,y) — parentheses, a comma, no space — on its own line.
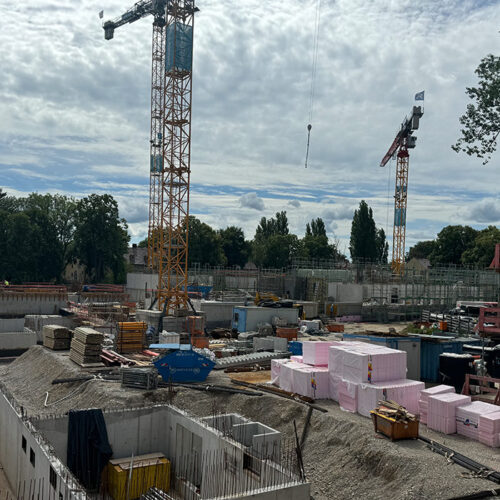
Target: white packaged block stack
(423,402)
(348,395)
(286,375)
(334,381)
(443,411)
(316,353)
(276,370)
(336,355)
(404,392)
(297,359)
(311,381)
(489,429)
(468,417)
(373,364)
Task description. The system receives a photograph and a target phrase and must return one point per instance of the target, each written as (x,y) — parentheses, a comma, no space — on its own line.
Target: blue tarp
(179,47)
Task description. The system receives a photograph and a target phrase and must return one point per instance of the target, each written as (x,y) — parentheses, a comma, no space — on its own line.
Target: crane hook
(309,127)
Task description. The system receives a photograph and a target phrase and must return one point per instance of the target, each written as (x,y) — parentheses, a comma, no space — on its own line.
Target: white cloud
(251,200)
(75,109)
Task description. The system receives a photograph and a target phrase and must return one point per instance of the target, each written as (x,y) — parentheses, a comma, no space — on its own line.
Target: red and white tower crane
(403,141)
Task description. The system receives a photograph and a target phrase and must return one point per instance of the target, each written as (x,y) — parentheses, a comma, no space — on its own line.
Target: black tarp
(88,446)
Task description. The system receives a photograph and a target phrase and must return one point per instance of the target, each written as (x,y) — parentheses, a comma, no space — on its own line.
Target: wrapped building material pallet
(423,402)
(86,346)
(442,411)
(468,417)
(140,378)
(56,337)
(130,336)
(489,429)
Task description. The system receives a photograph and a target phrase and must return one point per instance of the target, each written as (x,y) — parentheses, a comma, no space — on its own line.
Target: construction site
(322,380)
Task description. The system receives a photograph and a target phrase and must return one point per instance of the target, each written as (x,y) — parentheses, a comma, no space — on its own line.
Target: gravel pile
(342,455)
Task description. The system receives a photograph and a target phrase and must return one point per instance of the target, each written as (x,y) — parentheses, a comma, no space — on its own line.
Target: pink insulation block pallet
(311,381)
(423,402)
(404,392)
(334,381)
(297,359)
(489,429)
(336,355)
(348,395)
(370,363)
(316,353)
(442,411)
(276,370)
(468,417)
(286,375)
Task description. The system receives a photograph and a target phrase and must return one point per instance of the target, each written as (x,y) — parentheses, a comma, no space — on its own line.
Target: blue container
(295,347)
(179,47)
(183,365)
(429,356)
(239,319)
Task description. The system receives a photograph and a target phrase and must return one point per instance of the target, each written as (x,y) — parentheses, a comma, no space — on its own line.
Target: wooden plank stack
(130,336)
(56,337)
(86,346)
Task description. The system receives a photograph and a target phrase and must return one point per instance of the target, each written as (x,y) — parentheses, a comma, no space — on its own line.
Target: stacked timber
(130,336)
(86,346)
(56,337)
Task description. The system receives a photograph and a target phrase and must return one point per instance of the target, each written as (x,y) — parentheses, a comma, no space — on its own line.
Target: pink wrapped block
(336,354)
(404,392)
(297,359)
(442,411)
(311,381)
(468,417)
(348,395)
(424,397)
(489,429)
(316,353)
(276,369)
(334,385)
(374,364)
(286,375)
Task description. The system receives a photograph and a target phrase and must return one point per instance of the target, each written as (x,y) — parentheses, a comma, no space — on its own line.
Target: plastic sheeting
(88,446)
(297,359)
(311,381)
(404,392)
(348,395)
(316,353)
(442,411)
(286,375)
(276,370)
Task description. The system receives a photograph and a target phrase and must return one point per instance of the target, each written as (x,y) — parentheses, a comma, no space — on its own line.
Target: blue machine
(295,347)
(182,364)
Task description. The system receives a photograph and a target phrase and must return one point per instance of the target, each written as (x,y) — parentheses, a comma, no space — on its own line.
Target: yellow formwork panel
(147,471)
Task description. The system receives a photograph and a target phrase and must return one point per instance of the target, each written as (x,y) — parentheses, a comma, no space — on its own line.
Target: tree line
(42,233)
(459,245)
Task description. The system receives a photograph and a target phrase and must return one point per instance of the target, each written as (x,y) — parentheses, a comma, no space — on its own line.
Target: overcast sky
(74,109)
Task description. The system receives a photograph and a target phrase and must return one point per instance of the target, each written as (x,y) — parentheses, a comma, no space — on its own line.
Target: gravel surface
(343,456)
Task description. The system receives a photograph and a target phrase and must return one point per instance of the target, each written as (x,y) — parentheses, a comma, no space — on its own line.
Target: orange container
(443,326)
(287,333)
(200,342)
(335,328)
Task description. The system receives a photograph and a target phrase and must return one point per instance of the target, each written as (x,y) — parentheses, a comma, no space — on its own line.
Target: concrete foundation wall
(17,340)
(218,314)
(36,322)
(25,303)
(11,325)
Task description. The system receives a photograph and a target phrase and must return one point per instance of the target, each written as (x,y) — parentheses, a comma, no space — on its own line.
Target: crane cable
(317,20)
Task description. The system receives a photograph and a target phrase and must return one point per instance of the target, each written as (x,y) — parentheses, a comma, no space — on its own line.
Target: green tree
(363,242)
(382,246)
(315,243)
(273,245)
(235,247)
(451,243)
(421,250)
(483,249)
(204,244)
(101,237)
(481,121)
